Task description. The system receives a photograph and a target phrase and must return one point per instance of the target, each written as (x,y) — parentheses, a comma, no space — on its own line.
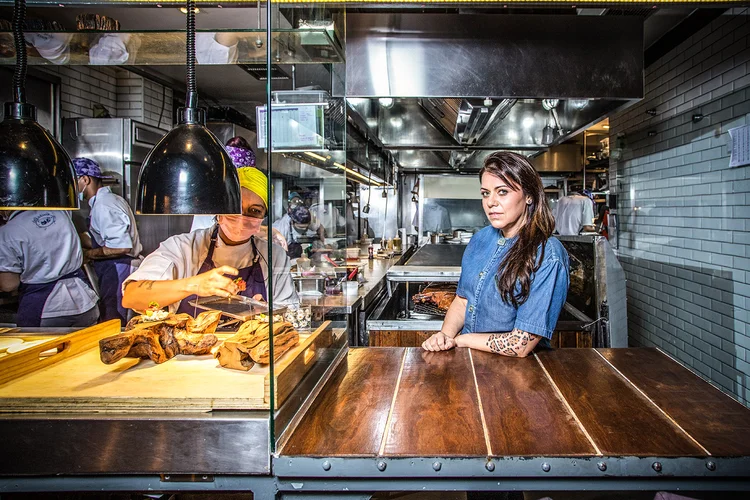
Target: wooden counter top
(406,402)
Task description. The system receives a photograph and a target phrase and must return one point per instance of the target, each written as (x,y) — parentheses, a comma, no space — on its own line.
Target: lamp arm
(191,97)
(19,75)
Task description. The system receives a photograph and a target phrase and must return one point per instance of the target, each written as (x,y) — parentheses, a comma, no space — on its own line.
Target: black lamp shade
(35,170)
(188,172)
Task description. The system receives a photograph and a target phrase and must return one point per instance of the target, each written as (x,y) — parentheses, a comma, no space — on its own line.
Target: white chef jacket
(436,218)
(209,51)
(202,222)
(181,257)
(113,223)
(330,220)
(42,246)
(572,213)
(285,227)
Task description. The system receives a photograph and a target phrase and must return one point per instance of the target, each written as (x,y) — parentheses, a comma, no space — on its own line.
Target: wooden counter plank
(618,418)
(524,413)
(715,420)
(436,412)
(349,416)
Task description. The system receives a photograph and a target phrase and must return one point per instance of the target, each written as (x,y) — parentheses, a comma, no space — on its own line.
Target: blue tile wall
(684,214)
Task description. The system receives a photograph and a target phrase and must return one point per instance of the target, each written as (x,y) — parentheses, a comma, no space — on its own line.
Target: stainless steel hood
(495,55)
(441,91)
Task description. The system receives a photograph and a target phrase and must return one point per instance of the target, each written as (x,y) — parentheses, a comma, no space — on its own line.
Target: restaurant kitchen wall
(684,216)
(122,93)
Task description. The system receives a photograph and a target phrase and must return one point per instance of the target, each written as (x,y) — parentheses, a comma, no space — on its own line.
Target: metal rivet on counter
(602,466)
(381,466)
(437,466)
(656,466)
(710,465)
(326,465)
(546,467)
(490,466)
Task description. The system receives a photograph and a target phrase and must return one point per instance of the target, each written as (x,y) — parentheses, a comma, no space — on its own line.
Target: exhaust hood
(461,86)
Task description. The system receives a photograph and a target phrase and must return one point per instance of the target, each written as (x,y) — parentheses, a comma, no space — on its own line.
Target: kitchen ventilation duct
(467,120)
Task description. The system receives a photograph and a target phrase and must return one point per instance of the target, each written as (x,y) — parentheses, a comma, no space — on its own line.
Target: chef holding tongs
(225,260)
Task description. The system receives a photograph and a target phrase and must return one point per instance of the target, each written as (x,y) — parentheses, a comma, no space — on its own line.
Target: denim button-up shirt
(485,309)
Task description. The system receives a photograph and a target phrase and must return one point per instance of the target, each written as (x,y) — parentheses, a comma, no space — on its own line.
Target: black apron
(252,274)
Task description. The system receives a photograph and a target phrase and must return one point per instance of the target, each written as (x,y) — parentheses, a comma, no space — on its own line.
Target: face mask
(239,228)
(80,196)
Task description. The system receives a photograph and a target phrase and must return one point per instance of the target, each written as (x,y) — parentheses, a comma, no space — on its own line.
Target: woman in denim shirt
(514,276)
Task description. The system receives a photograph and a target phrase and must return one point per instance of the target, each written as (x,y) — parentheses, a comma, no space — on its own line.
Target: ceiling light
(579,104)
(189,171)
(35,170)
(606,127)
(184,10)
(386,102)
(314,155)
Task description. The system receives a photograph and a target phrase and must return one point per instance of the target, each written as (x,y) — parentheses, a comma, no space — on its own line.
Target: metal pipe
(191,97)
(269,153)
(19,75)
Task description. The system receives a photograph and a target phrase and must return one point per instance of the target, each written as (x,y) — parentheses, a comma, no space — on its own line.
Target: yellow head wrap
(256,181)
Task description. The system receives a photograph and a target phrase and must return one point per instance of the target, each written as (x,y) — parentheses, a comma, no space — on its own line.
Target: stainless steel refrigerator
(119,145)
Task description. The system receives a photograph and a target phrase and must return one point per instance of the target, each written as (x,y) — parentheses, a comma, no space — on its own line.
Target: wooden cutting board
(76,380)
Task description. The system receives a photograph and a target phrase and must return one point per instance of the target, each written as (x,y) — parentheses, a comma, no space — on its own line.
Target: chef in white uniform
(206,262)
(573,214)
(113,244)
(242,156)
(41,256)
(295,224)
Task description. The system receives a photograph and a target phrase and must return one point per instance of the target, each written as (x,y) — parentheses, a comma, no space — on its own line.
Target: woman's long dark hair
(521,261)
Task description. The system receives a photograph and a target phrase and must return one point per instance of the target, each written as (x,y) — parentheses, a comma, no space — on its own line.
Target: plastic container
(350,288)
(352,253)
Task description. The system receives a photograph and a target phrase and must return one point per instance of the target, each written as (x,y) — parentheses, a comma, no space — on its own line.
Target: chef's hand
(214,282)
(439,342)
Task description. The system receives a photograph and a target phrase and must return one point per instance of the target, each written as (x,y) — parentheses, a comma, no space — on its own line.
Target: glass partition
(312,268)
(146,48)
(302,138)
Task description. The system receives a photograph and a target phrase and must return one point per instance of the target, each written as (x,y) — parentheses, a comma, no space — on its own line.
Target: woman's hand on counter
(439,342)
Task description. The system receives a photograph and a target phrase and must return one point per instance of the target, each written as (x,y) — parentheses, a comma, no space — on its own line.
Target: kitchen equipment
(350,288)
(236,306)
(119,145)
(352,253)
(397,248)
(310,286)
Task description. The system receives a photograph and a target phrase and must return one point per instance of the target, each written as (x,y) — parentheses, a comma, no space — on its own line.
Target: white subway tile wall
(124,94)
(684,214)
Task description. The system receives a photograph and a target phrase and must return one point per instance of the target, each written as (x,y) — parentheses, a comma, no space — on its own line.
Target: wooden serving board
(75,379)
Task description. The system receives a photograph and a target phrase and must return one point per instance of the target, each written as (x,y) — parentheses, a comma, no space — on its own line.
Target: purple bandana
(241,157)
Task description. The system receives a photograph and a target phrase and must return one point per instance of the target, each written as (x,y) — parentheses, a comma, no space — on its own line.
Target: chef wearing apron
(295,224)
(41,256)
(207,262)
(113,245)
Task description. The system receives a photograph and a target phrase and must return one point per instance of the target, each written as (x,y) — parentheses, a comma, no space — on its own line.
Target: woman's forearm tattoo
(509,344)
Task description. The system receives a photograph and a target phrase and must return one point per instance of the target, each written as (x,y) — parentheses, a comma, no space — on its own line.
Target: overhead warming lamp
(35,171)
(189,171)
